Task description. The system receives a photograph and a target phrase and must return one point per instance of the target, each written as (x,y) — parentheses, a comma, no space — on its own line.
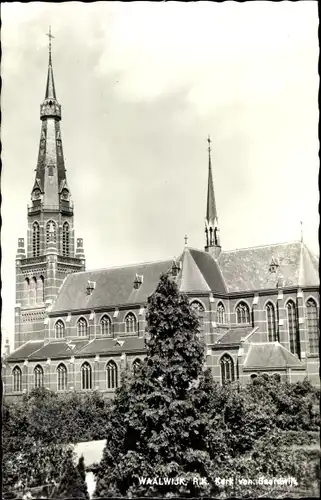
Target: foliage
(72,480)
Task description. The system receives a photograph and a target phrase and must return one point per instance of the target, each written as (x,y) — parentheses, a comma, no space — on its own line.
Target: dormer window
(91,285)
(138,281)
(176,267)
(273,265)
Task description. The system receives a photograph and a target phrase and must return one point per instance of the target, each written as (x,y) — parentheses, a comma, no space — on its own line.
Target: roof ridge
(262,246)
(120,267)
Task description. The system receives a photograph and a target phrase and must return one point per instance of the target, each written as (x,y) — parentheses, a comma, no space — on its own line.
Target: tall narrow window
(137,364)
(35,239)
(242,313)
(65,239)
(51,232)
(220,313)
(17,379)
(82,327)
(312,326)
(26,291)
(271,322)
(40,290)
(61,377)
(200,311)
(59,329)
(227,369)
(86,376)
(33,291)
(293,328)
(112,378)
(130,323)
(39,378)
(105,325)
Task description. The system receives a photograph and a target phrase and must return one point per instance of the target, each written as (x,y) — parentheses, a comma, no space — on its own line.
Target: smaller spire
(211,219)
(301,223)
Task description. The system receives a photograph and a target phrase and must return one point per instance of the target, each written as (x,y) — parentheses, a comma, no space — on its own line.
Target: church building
(77,330)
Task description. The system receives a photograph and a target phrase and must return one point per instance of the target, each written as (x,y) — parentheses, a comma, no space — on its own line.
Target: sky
(141,85)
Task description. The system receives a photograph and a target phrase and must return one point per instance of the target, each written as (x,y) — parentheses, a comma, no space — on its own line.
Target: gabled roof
(268,355)
(200,272)
(25,350)
(113,286)
(234,335)
(249,268)
(113,346)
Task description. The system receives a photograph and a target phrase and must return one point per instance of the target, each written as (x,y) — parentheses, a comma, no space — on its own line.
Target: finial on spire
(209,144)
(186,239)
(50,36)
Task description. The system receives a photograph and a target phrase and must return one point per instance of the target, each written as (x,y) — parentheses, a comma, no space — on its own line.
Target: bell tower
(212,234)
(50,252)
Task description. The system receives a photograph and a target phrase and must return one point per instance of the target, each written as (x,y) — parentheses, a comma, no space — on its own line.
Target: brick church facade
(78,329)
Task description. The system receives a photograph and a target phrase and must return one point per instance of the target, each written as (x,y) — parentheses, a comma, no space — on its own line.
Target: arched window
(199,309)
(59,329)
(227,369)
(17,379)
(26,290)
(40,290)
(65,239)
(271,322)
(293,328)
(312,326)
(130,323)
(242,313)
(38,373)
(112,379)
(62,377)
(82,327)
(51,232)
(105,325)
(35,239)
(33,291)
(137,365)
(220,313)
(86,376)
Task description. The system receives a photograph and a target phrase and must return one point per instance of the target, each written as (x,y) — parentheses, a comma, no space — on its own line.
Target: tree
(72,480)
(156,428)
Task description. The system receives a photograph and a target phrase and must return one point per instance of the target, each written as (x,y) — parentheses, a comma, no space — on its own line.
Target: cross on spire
(186,239)
(301,223)
(209,143)
(50,36)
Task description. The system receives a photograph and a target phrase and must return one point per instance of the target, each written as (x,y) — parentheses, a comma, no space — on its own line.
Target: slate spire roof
(211,211)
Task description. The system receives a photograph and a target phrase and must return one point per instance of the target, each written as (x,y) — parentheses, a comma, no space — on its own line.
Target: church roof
(25,350)
(113,286)
(200,273)
(234,335)
(251,268)
(268,355)
(113,346)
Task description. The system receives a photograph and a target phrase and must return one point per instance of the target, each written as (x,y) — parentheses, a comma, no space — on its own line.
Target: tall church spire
(211,219)
(50,87)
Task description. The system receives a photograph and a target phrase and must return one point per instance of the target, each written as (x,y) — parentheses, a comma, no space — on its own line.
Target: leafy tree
(156,428)
(72,480)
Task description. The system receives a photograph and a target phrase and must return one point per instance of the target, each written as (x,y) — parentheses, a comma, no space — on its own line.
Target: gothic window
(242,313)
(17,379)
(51,231)
(27,290)
(33,291)
(35,239)
(312,326)
(271,322)
(137,365)
(82,327)
(200,311)
(112,380)
(227,369)
(65,239)
(86,376)
(39,377)
(40,290)
(59,329)
(293,328)
(105,325)
(220,313)
(130,323)
(61,377)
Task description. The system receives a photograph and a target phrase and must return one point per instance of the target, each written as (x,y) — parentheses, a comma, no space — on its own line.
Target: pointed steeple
(211,219)
(50,189)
